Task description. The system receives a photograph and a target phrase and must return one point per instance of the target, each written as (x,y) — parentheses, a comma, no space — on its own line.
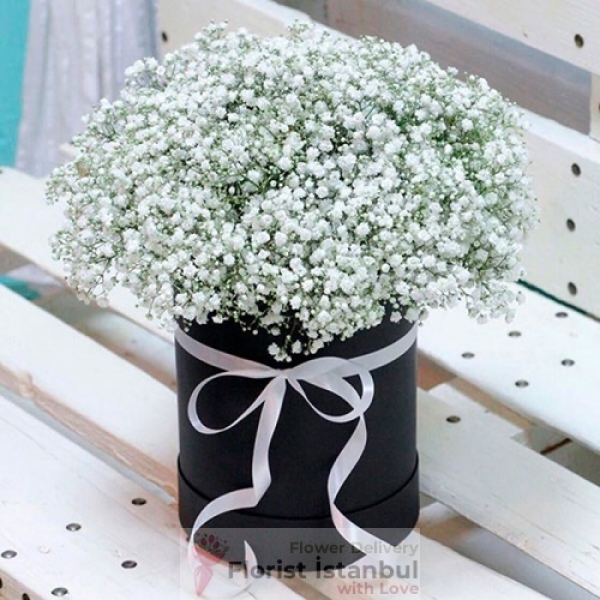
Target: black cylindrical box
(380,495)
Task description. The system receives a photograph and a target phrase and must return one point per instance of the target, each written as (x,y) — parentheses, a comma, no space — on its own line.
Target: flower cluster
(304,185)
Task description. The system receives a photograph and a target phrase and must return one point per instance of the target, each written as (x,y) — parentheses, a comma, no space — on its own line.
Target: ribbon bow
(328,373)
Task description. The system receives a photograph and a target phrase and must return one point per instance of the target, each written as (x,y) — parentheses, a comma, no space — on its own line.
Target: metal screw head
(571,225)
(576,169)
(514,334)
(139,501)
(572,288)
(561,315)
(468,355)
(453,419)
(578,40)
(73,527)
(522,383)
(567,362)
(129,564)
(60,591)
(8,554)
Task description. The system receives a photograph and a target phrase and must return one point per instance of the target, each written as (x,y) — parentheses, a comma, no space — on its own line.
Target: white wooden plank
(522,497)
(577,458)
(566,29)
(444,575)
(316,9)
(57,483)
(135,344)
(475,582)
(464,397)
(89,389)
(26,225)
(22,210)
(181,19)
(563,396)
(99,499)
(9,260)
(565,168)
(49,483)
(447,527)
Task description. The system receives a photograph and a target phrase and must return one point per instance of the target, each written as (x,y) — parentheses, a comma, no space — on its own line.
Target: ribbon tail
(272,396)
(341,470)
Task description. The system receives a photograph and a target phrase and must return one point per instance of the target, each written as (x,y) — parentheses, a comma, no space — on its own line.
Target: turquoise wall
(14,17)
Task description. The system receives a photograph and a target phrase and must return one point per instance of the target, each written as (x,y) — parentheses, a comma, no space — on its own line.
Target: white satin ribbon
(327,373)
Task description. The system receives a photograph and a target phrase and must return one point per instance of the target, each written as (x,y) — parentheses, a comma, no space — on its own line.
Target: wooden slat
(465,398)
(9,260)
(439,578)
(440,523)
(548,25)
(430,374)
(58,483)
(443,576)
(182,19)
(50,482)
(316,9)
(135,344)
(26,225)
(24,217)
(566,174)
(559,395)
(539,507)
(94,392)
(446,526)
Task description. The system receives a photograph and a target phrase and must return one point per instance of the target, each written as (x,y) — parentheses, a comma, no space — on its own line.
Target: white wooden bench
(88,438)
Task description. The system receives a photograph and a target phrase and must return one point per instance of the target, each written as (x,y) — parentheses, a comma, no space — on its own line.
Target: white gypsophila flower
(305,184)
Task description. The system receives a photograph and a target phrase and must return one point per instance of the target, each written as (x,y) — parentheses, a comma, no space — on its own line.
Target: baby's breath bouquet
(307,185)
